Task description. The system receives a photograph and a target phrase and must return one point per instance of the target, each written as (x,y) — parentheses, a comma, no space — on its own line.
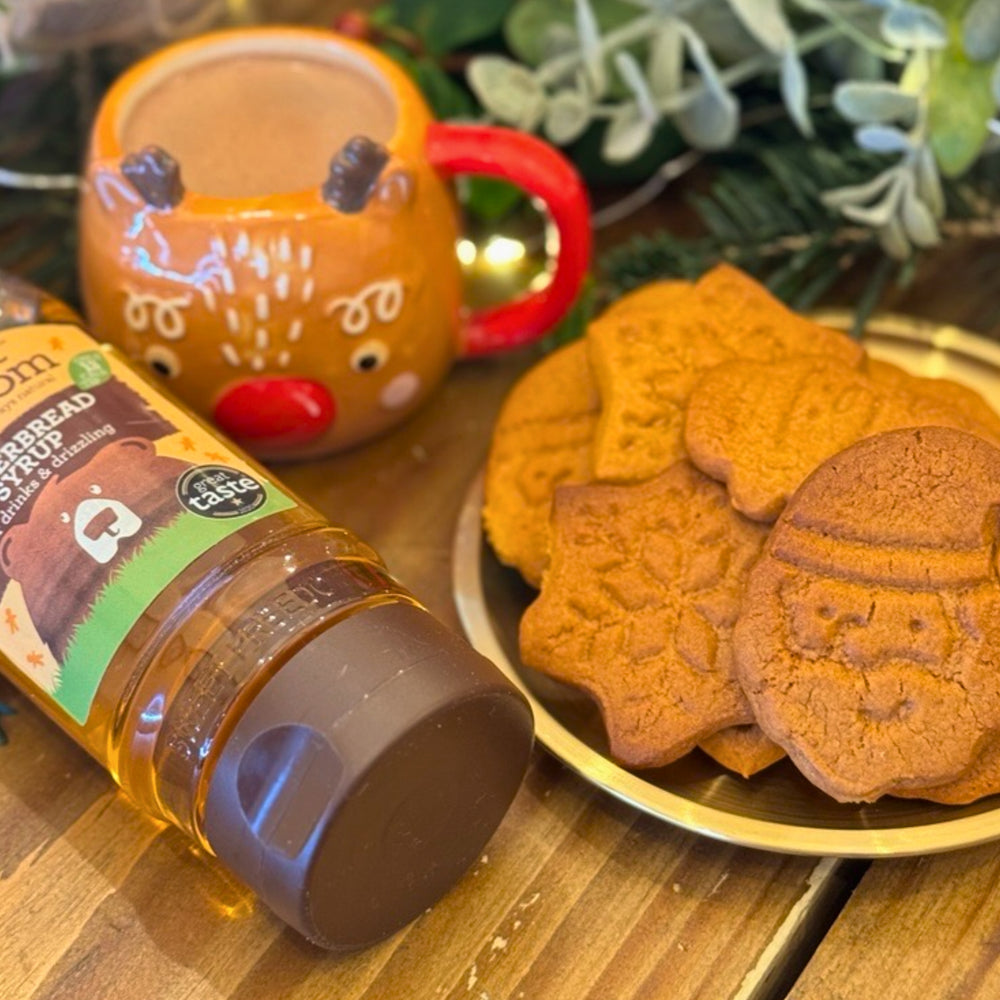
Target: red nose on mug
(284,412)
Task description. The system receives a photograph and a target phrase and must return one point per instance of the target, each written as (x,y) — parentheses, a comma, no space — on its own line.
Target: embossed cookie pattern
(637,608)
(542,438)
(647,361)
(869,641)
(763,427)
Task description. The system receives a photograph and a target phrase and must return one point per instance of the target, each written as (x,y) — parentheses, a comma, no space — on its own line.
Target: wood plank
(576,896)
(917,927)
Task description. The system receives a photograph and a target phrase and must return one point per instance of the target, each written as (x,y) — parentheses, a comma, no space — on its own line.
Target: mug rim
(412,113)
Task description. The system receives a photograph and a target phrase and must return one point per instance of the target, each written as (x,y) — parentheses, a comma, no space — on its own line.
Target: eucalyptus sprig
(921,81)
(935,118)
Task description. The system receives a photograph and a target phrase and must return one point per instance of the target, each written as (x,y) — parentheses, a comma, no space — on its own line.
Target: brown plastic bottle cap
(367,775)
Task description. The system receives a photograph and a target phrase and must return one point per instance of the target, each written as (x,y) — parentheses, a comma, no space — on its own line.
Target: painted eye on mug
(162,360)
(369,356)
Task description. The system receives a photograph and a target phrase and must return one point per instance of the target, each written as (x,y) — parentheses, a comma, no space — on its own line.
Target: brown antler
(354,173)
(156,175)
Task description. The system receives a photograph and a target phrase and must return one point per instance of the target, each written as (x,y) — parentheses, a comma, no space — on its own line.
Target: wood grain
(925,927)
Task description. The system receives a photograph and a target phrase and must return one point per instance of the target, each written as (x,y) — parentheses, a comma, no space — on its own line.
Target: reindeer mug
(267,222)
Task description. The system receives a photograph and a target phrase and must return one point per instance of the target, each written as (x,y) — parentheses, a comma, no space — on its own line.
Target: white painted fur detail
(165,314)
(109,187)
(386,303)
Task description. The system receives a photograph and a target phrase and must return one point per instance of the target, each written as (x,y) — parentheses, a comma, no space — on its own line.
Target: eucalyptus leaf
(446,25)
(995,83)
(537,30)
(590,46)
(875,102)
(917,219)
(703,61)
(882,139)
(530,23)
(960,104)
(507,90)
(725,35)
(557,39)
(567,115)
(765,20)
(665,66)
(981,31)
(795,90)
(860,194)
(628,133)
(710,120)
(911,26)
(929,182)
(879,213)
(630,71)
(893,241)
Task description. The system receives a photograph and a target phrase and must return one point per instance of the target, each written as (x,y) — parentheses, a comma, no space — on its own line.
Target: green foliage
(446,25)
(445,95)
(490,200)
(762,212)
(960,104)
(536,29)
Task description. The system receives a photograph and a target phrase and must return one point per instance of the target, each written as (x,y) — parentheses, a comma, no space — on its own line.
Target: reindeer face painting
(267,224)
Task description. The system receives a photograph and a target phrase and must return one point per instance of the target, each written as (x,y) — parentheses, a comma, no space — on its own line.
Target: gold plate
(776,810)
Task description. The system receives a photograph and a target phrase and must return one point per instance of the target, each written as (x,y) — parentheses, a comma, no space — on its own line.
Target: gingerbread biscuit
(643,378)
(647,361)
(940,390)
(542,438)
(981,779)
(743,749)
(637,608)
(761,428)
(869,640)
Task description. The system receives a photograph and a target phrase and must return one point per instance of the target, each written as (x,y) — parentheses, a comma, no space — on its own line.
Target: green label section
(89,369)
(135,585)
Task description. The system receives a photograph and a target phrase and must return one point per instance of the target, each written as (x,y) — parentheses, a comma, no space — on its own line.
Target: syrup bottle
(242,668)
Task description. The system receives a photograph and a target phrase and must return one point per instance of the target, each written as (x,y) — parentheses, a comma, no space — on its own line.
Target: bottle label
(108,491)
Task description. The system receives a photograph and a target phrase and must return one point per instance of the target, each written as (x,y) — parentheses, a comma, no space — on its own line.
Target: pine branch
(763,212)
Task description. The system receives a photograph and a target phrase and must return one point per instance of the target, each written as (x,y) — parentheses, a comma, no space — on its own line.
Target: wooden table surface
(576,896)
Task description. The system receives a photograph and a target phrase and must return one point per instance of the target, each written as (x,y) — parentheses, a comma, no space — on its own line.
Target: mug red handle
(536,167)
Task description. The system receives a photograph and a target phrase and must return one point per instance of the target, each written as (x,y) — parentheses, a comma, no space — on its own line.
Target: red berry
(353,24)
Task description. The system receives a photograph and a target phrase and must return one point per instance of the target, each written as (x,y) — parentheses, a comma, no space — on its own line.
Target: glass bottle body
(208,643)
(244,669)
(212,637)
